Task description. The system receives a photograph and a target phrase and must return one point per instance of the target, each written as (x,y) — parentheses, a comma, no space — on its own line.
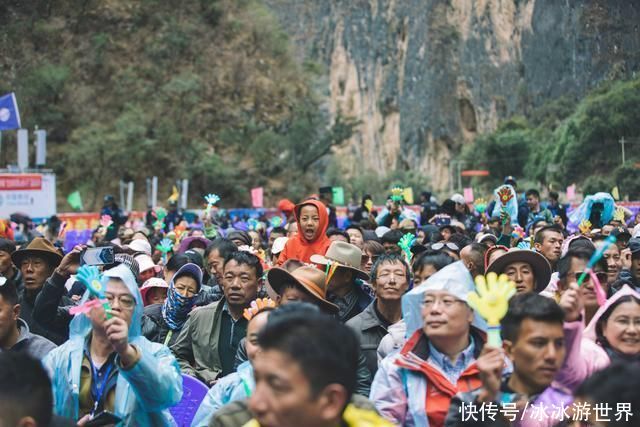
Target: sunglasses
(439,246)
(367,258)
(601,275)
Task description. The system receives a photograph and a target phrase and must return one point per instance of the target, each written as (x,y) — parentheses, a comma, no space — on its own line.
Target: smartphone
(104,418)
(442,221)
(97,256)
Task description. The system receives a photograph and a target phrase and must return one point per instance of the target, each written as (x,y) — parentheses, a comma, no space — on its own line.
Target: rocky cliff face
(426,76)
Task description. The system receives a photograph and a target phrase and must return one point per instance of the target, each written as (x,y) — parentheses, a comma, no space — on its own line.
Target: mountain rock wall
(426,76)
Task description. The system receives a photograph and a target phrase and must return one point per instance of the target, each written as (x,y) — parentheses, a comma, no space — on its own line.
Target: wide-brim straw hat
(344,255)
(309,278)
(40,247)
(539,264)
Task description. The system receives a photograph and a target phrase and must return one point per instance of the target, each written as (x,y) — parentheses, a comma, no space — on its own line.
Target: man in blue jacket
(108,366)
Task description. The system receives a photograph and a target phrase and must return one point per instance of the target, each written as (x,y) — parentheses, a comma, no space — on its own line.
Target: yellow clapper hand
(585,226)
(491,301)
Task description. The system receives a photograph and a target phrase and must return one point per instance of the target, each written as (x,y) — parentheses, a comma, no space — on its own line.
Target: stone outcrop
(426,76)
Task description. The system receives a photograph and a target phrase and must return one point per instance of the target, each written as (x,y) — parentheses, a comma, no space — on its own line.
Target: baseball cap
(140,246)
(509,179)
(278,245)
(634,245)
(458,198)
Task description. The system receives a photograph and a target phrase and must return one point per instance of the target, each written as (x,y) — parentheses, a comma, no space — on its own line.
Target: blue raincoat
(511,208)
(583,211)
(236,386)
(143,392)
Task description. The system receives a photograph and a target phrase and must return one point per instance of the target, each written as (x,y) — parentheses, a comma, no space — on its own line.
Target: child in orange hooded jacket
(313,220)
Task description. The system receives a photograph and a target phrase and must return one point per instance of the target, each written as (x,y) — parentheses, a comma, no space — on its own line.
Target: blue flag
(9,114)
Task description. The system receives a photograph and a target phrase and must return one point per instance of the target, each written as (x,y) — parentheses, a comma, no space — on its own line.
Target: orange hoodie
(299,247)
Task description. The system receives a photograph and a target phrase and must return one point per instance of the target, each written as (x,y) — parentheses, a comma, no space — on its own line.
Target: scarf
(176,308)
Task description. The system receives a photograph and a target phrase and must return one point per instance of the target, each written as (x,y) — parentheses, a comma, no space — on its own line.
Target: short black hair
(615,383)
(529,306)
(326,350)
(224,247)
(392,258)
(437,259)
(25,389)
(539,238)
(333,231)
(477,255)
(461,240)
(277,230)
(9,293)
(564,263)
(553,195)
(177,261)
(532,192)
(355,227)
(8,246)
(242,257)
(392,236)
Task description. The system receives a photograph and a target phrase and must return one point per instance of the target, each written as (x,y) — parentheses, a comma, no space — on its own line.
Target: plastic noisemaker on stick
(164,247)
(405,244)
(90,276)
(491,301)
(597,255)
(504,195)
(211,200)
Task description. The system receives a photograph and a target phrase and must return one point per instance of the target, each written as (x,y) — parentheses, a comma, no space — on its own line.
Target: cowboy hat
(343,255)
(539,265)
(38,247)
(309,278)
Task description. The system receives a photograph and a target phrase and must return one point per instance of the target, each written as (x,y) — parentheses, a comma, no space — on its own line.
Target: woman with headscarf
(163,322)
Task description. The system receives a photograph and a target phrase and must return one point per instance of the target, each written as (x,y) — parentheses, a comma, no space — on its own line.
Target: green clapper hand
(165,246)
(491,301)
(90,276)
(405,244)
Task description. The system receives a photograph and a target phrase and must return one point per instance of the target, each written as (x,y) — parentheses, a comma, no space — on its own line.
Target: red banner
(18,182)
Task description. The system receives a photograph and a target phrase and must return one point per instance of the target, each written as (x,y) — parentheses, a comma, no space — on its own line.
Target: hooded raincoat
(236,386)
(414,387)
(144,392)
(584,354)
(300,248)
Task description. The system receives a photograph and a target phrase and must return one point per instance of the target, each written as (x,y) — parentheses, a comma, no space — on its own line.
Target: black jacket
(154,328)
(51,308)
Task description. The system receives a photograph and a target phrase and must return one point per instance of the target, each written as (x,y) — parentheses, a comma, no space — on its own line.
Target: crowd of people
(294,321)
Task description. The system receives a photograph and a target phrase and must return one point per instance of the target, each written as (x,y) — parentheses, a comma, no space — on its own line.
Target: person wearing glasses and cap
(415,385)
(106,365)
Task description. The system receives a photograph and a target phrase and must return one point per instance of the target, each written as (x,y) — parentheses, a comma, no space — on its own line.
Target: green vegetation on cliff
(567,142)
(199,89)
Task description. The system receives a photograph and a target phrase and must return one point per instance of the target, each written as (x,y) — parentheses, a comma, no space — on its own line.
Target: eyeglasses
(126,301)
(447,302)
(451,246)
(367,258)
(601,275)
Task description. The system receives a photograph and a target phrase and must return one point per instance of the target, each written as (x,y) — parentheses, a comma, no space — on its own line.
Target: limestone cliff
(425,76)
